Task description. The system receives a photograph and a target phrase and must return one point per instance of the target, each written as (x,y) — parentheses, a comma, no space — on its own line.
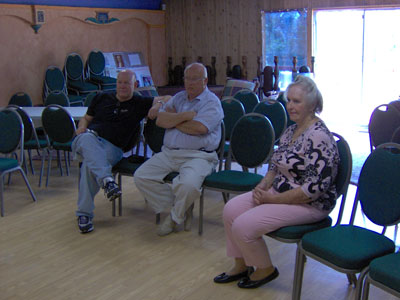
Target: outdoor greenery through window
(285,36)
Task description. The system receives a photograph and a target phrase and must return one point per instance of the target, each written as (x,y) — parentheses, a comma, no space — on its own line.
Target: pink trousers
(246,223)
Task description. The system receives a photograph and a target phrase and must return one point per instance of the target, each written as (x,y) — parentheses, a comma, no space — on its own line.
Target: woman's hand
(261,196)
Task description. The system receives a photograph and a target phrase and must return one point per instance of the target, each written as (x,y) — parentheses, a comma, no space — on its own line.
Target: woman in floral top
(299,188)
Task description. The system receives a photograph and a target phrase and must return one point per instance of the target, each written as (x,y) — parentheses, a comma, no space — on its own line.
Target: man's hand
(80,130)
(153,112)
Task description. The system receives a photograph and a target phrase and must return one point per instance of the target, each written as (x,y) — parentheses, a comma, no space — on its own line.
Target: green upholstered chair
(20,99)
(293,234)
(251,144)
(349,248)
(31,140)
(74,74)
(276,113)
(54,81)
(147,91)
(60,128)
(248,98)
(233,111)
(384,121)
(11,142)
(232,86)
(57,97)
(384,272)
(95,65)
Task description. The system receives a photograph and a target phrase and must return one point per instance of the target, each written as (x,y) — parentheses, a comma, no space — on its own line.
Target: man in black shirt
(109,128)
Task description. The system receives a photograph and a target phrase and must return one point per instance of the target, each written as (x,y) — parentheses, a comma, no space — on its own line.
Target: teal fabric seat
(11,145)
(295,233)
(350,255)
(232,180)
(6,163)
(349,248)
(384,272)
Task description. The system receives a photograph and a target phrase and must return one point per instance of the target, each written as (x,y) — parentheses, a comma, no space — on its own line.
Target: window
(285,36)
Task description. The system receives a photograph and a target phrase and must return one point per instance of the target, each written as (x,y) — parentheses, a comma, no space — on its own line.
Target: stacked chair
(77,83)
(95,65)
(54,82)
(248,98)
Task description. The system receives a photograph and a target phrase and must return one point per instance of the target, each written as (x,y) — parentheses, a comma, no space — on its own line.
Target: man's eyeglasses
(189,79)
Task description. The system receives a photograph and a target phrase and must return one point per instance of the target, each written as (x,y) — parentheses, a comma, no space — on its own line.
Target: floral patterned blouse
(310,162)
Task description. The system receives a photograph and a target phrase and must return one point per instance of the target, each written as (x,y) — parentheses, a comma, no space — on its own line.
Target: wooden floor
(43,256)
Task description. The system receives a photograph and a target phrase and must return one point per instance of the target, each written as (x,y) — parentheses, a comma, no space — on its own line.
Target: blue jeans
(98,157)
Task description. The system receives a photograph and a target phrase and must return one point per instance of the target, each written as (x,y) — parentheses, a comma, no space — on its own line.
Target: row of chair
(78,79)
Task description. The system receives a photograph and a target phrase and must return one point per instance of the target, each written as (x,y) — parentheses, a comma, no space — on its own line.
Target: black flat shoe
(225,278)
(247,283)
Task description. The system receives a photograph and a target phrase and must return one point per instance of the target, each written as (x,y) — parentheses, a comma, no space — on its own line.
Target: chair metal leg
(360,283)
(59,162)
(201,208)
(365,289)
(66,161)
(120,197)
(1,196)
(352,279)
(298,274)
(42,166)
(48,168)
(28,185)
(30,161)
(158,218)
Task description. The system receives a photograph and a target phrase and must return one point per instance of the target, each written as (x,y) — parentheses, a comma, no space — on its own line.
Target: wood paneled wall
(224,28)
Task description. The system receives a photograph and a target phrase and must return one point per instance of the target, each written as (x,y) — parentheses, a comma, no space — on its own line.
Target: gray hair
(197,65)
(311,92)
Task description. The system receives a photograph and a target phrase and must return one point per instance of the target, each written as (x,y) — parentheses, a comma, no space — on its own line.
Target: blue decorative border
(128,4)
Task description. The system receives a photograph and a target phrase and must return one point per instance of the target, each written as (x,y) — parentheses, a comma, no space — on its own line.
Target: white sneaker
(166,227)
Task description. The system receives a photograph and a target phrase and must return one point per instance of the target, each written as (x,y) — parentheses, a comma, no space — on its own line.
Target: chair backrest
(153,135)
(54,80)
(88,99)
(378,186)
(57,97)
(11,133)
(74,67)
(252,140)
(95,63)
(248,98)
(21,99)
(233,111)
(147,91)
(385,119)
(29,128)
(344,172)
(232,86)
(58,123)
(276,113)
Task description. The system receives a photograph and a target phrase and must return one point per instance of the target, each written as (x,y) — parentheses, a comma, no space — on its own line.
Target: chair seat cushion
(386,270)
(347,246)
(82,86)
(128,165)
(232,180)
(103,79)
(7,163)
(62,146)
(31,144)
(297,232)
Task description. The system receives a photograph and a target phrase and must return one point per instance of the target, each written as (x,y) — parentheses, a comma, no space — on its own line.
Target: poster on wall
(118,61)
